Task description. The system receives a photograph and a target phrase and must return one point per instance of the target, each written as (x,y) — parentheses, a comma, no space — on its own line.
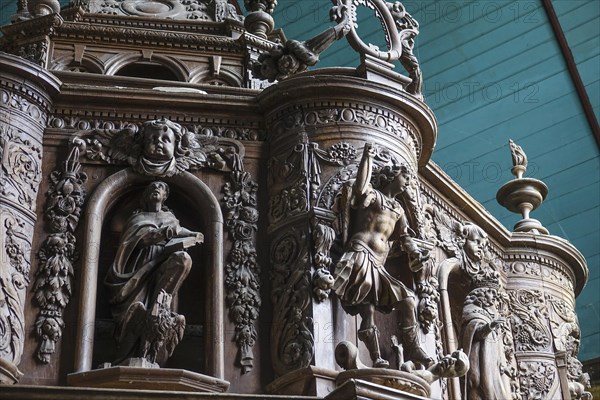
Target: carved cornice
(552,251)
(24,80)
(380,107)
(45,25)
(148,37)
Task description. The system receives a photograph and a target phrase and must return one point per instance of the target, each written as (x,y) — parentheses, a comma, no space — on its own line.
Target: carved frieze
(242,272)
(54,278)
(24,102)
(227,132)
(20,161)
(322,114)
(204,10)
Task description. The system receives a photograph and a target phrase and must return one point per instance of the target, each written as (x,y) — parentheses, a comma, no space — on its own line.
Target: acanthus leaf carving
(242,270)
(14,279)
(528,320)
(53,284)
(291,335)
(536,378)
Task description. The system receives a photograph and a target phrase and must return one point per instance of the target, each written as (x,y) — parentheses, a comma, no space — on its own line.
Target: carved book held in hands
(182,243)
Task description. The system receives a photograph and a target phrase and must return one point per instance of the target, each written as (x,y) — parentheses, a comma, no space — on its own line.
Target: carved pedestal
(25,100)
(316,133)
(544,274)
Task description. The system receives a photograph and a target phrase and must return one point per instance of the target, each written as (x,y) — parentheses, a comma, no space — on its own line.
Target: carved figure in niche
(481,322)
(150,265)
(361,280)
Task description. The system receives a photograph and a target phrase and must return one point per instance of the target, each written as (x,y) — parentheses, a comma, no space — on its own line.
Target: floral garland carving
(53,285)
(242,271)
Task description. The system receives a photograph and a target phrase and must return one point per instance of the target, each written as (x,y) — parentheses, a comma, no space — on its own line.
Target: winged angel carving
(161,148)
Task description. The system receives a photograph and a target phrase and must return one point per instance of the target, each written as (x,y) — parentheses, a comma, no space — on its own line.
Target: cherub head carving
(476,241)
(161,138)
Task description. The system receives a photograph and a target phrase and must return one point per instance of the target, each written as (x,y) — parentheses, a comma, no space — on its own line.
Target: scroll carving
(529,313)
(536,378)
(14,279)
(242,271)
(291,336)
(20,173)
(54,278)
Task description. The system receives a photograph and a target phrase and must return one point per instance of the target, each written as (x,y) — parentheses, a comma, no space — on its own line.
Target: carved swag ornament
(54,279)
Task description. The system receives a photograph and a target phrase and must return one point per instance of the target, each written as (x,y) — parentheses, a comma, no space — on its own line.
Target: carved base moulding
(148,379)
(358,389)
(309,381)
(9,373)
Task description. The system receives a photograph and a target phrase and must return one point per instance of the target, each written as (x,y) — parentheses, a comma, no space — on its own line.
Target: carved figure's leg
(409,334)
(171,274)
(369,335)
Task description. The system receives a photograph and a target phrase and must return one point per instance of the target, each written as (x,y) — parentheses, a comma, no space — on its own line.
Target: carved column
(544,274)
(25,100)
(317,124)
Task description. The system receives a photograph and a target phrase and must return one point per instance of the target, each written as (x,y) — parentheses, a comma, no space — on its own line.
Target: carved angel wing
(449,231)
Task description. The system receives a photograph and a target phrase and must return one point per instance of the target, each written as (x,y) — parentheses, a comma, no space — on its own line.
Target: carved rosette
(54,278)
(242,271)
(25,100)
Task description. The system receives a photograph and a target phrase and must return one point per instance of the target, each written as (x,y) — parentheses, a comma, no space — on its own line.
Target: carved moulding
(220,131)
(54,278)
(194,151)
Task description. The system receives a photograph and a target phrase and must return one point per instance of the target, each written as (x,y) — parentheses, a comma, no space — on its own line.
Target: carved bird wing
(175,335)
(123,146)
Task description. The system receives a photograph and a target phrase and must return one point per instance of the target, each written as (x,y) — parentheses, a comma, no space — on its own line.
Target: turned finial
(519,159)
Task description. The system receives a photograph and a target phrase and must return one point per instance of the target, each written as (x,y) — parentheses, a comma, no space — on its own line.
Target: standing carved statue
(482,340)
(150,265)
(361,280)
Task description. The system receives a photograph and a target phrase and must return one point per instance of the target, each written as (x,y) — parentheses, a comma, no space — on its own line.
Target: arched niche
(106,196)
